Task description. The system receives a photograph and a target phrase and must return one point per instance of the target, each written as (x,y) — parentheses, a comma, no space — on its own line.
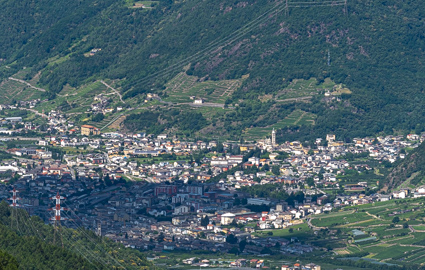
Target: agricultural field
(301,231)
(71,100)
(173,260)
(296,118)
(60,59)
(140,4)
(419,227)
(11,91)
(182,87)
(380,233)
(393,231)
(305,88)
(109,119)
(57,60)
(339,89)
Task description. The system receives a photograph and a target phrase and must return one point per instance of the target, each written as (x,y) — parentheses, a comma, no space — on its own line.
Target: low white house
(227,218)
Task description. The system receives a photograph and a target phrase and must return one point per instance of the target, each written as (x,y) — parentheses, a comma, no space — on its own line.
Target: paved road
(321,191)
(24,82)
(314,227)
(294,99)
(206,104)
(34,111)
(20,138)
(113,89)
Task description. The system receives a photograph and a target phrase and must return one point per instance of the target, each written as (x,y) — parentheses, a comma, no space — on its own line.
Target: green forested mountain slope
(7,262)
(375,48)
(34,245)
(410,172)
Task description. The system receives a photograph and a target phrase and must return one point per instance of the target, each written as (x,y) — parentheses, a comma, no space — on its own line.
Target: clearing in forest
(141,4)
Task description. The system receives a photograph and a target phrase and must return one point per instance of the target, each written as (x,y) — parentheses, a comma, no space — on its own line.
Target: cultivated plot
(391,232)
(184,89)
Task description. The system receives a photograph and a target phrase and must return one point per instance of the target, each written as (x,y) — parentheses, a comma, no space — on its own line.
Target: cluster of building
(21,103)
(102,104)
(132,214)
(172,204)
(245,263)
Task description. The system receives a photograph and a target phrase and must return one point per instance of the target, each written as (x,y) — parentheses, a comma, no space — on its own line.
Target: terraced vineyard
(393,231)
(108,118)
(304,88)
(15,91)
(182,87)
(78,100)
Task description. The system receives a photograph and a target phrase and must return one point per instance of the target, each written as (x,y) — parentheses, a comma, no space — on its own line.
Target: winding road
(113,89)
(27,83)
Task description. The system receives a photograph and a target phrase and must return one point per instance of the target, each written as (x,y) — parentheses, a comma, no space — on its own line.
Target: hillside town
(162,193)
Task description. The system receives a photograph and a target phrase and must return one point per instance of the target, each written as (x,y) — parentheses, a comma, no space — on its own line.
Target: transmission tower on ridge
(14,205)
(57,218)
(14,198)
(99,228)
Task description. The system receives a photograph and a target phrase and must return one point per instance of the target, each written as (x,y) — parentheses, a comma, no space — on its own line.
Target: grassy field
(157,160)
(419,227)
(301,231)
(182,87)
(210,113)
(296,118)
(57,60)
(382,252)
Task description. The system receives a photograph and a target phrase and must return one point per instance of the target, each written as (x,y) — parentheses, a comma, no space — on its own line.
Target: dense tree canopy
(30,244)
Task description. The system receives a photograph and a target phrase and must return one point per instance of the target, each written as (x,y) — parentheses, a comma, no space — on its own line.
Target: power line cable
(82,231)
(83,254)
(231,38)
(212,46)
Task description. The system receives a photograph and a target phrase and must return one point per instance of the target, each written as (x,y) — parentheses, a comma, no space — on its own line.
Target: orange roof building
(88,130)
